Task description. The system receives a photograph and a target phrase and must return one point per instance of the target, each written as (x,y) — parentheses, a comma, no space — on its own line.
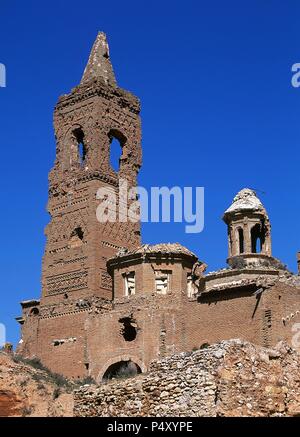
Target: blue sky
(218,110)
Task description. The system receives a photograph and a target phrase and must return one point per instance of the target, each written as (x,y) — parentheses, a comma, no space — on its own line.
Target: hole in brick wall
(129,328)
(66,296)
(76,238)
(204,345)
(122,369)
(78,232)
(34,312)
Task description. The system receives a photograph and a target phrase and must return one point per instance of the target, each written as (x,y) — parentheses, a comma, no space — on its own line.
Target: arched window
(81,151)
(34,312)
(122,369)
(257,238)
(115,154)
(241,240)
(117,141)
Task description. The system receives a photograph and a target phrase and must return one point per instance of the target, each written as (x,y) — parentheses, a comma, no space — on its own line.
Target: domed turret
(249,229)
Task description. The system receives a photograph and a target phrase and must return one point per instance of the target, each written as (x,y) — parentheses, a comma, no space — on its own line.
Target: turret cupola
(249,229)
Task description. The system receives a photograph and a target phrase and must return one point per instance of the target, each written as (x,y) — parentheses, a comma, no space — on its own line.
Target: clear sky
(218,110)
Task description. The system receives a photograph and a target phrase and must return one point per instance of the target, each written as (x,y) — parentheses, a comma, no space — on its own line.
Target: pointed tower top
(99,65)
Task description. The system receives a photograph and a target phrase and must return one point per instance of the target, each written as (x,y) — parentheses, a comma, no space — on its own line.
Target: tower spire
(99,65)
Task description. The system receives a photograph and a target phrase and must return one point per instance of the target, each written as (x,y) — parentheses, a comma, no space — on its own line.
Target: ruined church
(108,301)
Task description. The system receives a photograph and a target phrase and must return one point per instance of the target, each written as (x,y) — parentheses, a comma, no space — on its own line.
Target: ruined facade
(109,302)
(231,378)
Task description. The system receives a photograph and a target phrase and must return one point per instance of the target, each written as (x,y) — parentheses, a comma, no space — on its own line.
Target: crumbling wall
(232,378)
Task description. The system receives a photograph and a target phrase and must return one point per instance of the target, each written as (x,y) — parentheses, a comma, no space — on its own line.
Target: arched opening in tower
(115,154)
(116,143)
(241,240)
(122,370)
(34,312)
(79,136)
(257,238)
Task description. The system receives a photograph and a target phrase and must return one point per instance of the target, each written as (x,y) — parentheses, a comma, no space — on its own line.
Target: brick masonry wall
(166,325)
(76,334)
(232,378)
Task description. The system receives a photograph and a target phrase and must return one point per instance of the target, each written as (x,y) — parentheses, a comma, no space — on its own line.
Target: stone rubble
(231,378)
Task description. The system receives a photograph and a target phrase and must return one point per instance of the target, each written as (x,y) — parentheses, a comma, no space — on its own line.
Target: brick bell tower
(86,121)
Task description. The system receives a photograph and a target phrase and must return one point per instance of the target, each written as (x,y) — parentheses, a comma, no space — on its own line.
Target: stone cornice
(99,88)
